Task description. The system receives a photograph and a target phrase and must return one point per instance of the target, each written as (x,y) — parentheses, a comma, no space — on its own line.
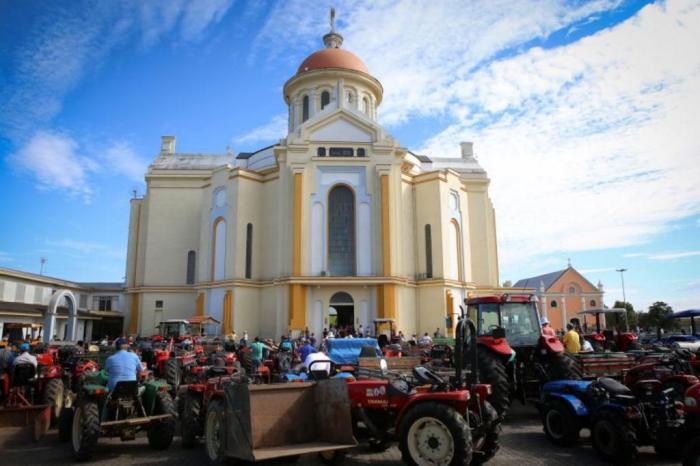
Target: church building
(336,223)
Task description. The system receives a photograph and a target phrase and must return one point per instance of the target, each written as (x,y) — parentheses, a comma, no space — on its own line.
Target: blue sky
(582,112)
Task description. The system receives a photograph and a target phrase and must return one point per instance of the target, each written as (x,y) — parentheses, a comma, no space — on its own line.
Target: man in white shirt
(25,357)
(425,340)
(321,366)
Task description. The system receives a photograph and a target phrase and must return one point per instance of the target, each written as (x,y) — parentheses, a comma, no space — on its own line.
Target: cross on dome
(332,40)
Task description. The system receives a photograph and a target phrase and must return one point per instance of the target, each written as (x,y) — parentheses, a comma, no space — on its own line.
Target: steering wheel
(491,328)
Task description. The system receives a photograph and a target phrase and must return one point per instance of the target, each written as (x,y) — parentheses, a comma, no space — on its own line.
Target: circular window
(572,290)
(553,304)
(593,303)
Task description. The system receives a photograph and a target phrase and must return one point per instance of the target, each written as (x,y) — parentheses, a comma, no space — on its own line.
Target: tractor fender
(685,379)
(497,345)
(578,406)
(551,344)
(458,400)
(152,387)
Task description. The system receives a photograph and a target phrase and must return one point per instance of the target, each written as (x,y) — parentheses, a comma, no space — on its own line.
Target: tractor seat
(613,387)
(22,374)
(425,376)
(125,389)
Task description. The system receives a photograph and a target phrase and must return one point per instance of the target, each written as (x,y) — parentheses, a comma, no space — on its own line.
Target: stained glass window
(341,231)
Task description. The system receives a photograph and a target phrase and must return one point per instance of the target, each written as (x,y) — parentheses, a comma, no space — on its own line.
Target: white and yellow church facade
(335,222)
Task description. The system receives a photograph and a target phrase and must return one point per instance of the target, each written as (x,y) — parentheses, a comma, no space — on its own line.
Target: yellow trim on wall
(296,247)
(386,301)
(386,232)
(200,304)
(449,310)
(297,307)
(227,323)
(134,322)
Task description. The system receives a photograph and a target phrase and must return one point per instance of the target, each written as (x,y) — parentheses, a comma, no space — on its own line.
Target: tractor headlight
(690,402)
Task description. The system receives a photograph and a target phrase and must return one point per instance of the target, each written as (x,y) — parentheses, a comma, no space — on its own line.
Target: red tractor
(16,406)
(434,420)
(172,364)
(515,358)
(602,340)
(49,388)
(671,369)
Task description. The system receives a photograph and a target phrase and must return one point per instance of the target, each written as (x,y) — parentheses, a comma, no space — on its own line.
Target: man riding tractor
(515,357)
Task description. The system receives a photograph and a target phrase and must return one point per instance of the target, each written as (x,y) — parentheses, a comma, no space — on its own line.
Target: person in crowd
(425,340)
(317,356)
(305,350)
(325,333)
(25,357)
(7,357)
(257,351)
(122,365)
(547,329)
(572,343)
(402,337)
(312,339)
(414,340)
(244,340)
(586,347)
(286,344)
(330,333)
(360,331)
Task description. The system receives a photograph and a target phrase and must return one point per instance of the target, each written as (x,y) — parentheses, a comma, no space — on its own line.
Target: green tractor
(129,408)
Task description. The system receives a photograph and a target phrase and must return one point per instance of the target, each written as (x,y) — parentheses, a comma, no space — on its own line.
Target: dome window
(325,99)
(305,108)
(361,152)
(321,152)
(365,105)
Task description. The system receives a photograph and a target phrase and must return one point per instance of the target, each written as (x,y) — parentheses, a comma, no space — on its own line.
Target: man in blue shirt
(122,365)
(306,350)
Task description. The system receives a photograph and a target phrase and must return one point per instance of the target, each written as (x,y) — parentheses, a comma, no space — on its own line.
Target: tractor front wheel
(161,433)
(172,374)
(215,432)
(486,446)
(434,433)
(613,438)
(560,423)
(561,366)
(86,429)
(191,420)
(492,370)
(53,396)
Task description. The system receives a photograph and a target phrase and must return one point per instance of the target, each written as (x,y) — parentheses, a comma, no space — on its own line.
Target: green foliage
(617,321)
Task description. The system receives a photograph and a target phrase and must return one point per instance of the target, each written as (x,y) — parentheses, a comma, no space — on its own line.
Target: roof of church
(534,282)
(191,161)
(332,58)
(247,155)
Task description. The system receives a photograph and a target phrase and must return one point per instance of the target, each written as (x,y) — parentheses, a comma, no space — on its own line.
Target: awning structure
(202,320)
(687,314)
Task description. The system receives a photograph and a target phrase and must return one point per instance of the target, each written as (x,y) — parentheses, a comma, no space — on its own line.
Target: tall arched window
(305,108)
(218,249)
(341,231)
(454,260)
(191,261)
(428,252)
(325,99)
(249,251)
(365,105)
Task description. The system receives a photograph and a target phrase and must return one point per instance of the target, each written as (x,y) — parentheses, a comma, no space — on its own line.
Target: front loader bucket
(20,422)
(264,422)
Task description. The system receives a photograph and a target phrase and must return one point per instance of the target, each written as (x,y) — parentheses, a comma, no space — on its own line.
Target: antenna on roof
(42,261)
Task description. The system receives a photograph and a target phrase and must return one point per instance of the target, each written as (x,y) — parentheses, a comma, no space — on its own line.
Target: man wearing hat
(122,365)
(25,357)
(547,330)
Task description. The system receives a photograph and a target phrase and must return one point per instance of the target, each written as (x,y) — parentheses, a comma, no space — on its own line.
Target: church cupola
(329,79)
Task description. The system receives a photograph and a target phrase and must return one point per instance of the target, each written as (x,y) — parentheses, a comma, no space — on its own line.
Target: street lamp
(624,298)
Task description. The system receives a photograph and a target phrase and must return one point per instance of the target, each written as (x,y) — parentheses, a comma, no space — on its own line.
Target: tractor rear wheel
(214,432)
(488,445)
(561,366)
(434,433)
(53,396)
(691,453)
(560,423)
(613,439)
(492,370)
(172,374)
(161,433)
(86,429)
(191,420)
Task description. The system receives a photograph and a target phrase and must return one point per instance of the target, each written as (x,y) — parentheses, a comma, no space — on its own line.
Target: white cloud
(122,159)
(274,130)
(670,256)
(52,159)
(600,270)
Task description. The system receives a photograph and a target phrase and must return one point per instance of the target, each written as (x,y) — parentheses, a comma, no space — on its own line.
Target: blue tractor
(619,418)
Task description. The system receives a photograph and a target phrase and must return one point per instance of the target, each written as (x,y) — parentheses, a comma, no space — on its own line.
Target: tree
(617,321)
(658,317)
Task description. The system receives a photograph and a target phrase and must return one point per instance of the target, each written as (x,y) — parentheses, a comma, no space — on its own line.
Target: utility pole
(42,261)
(624,298)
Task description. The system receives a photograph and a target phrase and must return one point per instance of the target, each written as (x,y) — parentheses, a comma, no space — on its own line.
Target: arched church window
(341,231)
(325,99)
(454,264)
(218,249)
(365,105)
(305,108)
(593,303)
(428,252)
(553,304)
(191,260)
(350,98)
(249,251)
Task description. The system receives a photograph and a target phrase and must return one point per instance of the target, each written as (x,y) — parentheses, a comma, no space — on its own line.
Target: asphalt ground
(523,443)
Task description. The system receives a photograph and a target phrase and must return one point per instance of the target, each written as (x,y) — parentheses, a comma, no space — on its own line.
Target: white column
(563,312)
(312,103)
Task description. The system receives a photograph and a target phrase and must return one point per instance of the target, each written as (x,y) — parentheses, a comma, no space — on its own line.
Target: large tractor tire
(434,433)
(86,429)
(488,444)
(560,423)
(561,366)
(171,371)
(613,439)
(492,370)
(160,434)
(53,396)
(191,425)
(215,432)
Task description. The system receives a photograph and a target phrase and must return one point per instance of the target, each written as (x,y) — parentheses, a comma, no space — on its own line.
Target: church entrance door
(342,312)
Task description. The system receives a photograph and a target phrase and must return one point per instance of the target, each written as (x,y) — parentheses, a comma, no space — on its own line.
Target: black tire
(559,423)
(332,457)
(444,422)
(161,433)
(215,432)
(378,445)
(86,424)
(65,424)
(172,373)
(613,438)
(191,420)
(489,445)
(53,396)
(561,366)
(597,347)
(691,453)
(492,370)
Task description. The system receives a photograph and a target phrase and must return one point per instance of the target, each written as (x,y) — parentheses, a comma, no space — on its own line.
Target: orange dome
(332,58)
